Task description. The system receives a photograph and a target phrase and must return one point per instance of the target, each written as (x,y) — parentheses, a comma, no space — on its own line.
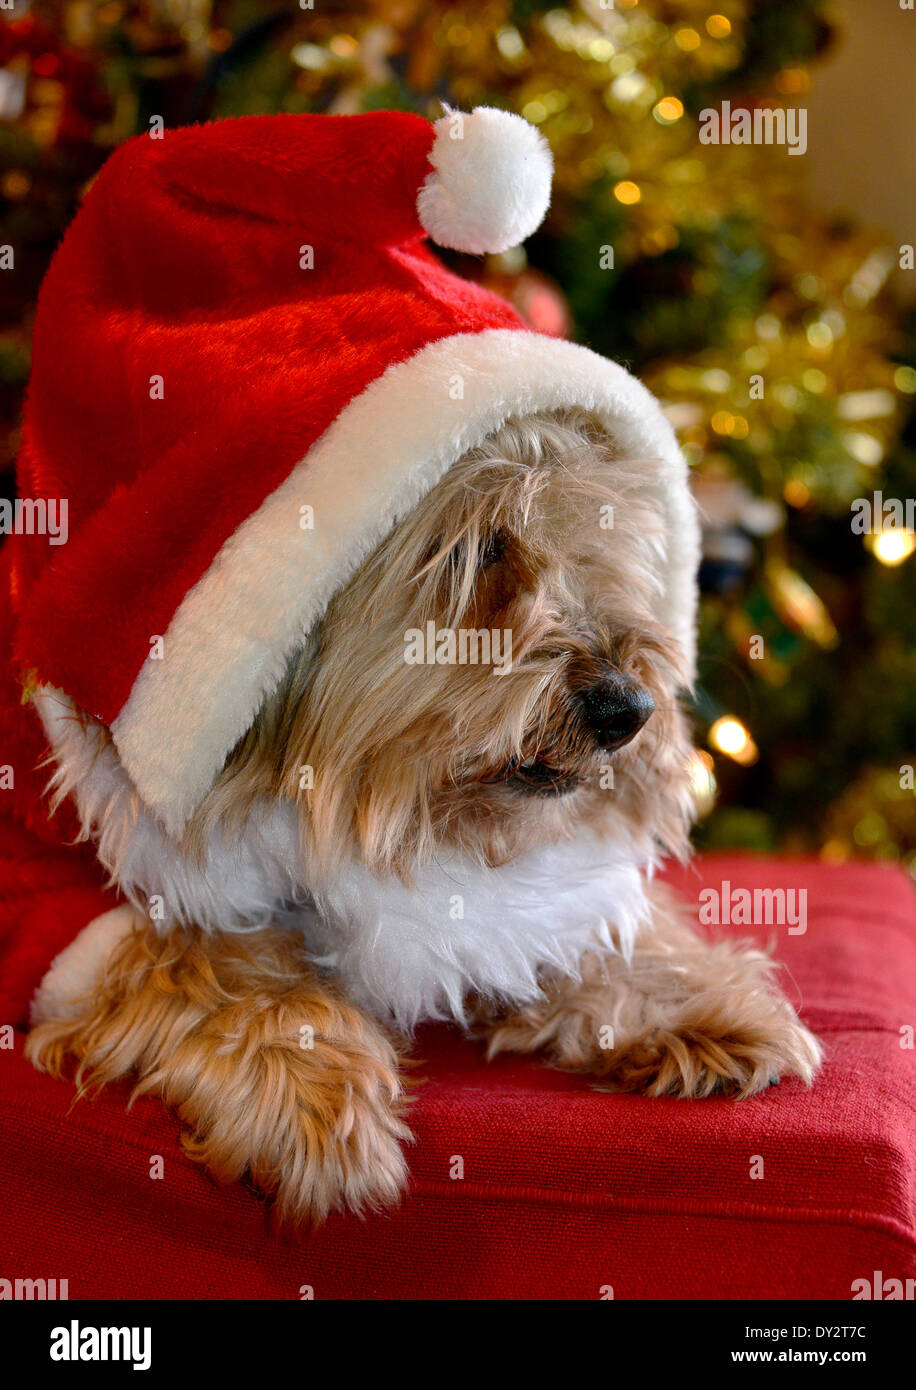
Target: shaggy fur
(407,759)
(682,1017)
(368,789)
(272,1073)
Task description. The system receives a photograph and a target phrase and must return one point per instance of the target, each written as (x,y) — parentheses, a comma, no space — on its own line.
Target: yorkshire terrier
(447,838)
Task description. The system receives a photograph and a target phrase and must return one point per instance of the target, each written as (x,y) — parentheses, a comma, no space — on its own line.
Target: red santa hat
(248,367)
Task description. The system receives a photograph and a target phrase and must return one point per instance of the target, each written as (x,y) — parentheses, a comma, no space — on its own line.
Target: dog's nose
(615,710)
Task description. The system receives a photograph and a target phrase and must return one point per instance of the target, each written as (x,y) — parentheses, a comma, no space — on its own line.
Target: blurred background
(729,263)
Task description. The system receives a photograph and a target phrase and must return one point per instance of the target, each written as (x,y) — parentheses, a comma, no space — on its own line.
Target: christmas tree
(769,332)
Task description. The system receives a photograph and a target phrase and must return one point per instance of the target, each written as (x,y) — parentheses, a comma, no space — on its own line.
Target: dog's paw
(309,1108)
(683,1018)
(705,1054)
(273,1074)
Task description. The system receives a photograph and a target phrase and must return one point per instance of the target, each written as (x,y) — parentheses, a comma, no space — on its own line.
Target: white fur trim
(406,954)
(77,971)
(403,954)
(239,885)
(228,643)
(491,182)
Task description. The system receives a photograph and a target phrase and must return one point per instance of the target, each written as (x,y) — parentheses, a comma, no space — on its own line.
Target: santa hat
(248,367)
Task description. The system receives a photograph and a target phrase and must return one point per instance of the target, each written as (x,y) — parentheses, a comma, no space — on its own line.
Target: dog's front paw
(739,1049)
(273,1074)
(717,1025)
(683,1018)
(305,1100)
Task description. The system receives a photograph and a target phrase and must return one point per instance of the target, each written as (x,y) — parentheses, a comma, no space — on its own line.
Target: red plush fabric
(565,1190)
(184,264)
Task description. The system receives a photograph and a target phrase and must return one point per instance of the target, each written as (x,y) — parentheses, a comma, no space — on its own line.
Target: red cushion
(565,1190)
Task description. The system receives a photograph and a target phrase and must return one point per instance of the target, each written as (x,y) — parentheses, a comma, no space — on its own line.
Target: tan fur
(408,759)
(685,1017)
(213,1026)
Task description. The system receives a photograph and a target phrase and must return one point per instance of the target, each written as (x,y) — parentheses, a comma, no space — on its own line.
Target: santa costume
(248,367)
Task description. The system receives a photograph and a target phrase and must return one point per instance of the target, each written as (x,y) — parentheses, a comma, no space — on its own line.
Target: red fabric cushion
(565,1190)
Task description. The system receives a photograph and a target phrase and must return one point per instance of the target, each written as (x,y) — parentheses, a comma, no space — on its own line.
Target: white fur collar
(406,954)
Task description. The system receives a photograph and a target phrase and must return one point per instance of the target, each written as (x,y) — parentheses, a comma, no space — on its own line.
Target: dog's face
(493,677)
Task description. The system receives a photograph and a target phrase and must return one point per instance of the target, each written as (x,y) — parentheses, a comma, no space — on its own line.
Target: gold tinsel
(875,816)
(604,86)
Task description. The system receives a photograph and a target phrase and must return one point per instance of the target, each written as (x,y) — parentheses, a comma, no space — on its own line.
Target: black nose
(615,710)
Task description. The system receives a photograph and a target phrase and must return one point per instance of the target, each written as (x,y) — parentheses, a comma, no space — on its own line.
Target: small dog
(429,838)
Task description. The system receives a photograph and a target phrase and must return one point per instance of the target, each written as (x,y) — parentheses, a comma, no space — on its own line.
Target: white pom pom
(491,182)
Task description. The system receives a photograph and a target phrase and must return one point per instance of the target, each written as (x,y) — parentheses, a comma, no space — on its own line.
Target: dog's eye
(492,550)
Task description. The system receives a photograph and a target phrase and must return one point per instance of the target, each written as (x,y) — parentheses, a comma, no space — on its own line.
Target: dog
(436,838)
